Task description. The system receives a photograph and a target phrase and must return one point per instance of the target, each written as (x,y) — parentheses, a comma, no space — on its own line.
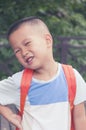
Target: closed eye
(16,51)
(27,43)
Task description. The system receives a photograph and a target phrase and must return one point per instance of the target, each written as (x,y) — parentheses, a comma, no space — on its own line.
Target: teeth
(29,59)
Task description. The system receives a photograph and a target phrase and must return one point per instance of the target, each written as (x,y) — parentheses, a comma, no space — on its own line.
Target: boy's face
(31,46)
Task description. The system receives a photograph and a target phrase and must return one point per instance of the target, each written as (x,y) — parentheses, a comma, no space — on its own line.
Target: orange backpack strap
(71,81)
(25,86)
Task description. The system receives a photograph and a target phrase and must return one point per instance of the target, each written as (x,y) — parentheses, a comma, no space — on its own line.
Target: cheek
(41,47)
(20,59)
(18,56)
(22,62)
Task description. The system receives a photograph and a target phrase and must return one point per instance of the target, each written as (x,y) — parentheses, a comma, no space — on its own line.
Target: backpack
(70,77)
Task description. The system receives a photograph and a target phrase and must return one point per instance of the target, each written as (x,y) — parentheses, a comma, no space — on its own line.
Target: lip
(29,60)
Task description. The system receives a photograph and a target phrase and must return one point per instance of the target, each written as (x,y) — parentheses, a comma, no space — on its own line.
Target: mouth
(29,60)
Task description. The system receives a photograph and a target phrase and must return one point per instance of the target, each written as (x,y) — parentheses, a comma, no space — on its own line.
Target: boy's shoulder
(19,73)
(16,77)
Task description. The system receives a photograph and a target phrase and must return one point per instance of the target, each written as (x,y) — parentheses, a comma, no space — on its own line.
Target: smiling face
(31,45)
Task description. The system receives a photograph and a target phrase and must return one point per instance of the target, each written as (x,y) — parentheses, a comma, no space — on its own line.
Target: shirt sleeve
(80,88)
(10,90)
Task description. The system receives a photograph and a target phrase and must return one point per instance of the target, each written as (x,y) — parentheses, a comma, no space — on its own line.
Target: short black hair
(16,24)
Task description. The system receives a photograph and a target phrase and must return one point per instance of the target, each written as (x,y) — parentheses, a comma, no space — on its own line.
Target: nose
(24,52)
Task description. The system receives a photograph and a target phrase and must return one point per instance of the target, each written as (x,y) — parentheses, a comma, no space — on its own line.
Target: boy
(47,106)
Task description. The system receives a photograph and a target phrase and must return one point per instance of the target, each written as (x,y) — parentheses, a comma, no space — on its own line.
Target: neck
(47,72)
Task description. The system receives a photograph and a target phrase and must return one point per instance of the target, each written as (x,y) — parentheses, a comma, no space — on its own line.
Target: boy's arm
(80,117)
(10,116)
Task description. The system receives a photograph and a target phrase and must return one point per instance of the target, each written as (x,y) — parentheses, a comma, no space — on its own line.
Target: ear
(49,40)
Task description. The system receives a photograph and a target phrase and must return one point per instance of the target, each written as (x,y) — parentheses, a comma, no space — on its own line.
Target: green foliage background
(63,17)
